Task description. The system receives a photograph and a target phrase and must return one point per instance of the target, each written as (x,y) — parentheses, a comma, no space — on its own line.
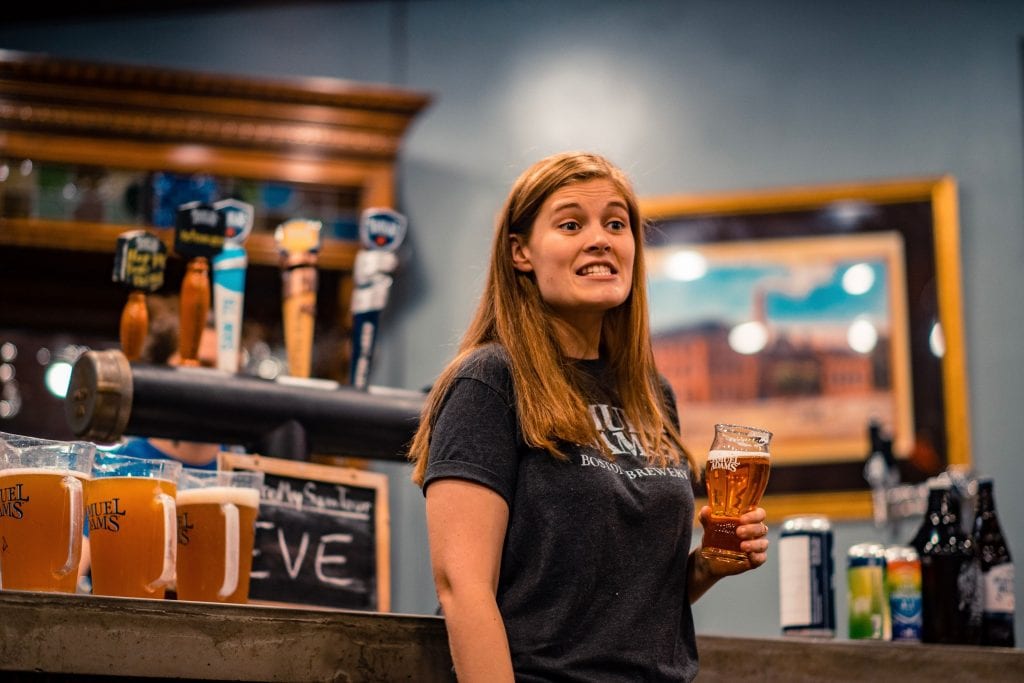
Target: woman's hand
(753,533)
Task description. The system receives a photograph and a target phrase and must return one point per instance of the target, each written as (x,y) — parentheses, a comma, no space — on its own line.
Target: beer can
(903,585)
(806,577)
(868,607)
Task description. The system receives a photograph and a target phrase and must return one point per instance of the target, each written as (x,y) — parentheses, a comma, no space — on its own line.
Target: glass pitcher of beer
(132,525)
(216,531)
(41,512)
(735,475)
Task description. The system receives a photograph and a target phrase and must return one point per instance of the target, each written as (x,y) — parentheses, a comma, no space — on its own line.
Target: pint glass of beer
(735,475)
(216,531)
(41,512)
(132,525)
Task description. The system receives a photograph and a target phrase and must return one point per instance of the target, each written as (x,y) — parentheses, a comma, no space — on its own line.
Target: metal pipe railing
(109,397)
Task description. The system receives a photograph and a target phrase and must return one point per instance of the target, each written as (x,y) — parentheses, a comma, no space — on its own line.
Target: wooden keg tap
(138,264)
(298,242)
(198,236)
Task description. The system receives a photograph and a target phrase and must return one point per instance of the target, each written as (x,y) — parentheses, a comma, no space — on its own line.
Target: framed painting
(817,313)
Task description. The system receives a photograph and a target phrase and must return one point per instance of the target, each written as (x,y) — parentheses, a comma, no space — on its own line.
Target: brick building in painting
(701,366)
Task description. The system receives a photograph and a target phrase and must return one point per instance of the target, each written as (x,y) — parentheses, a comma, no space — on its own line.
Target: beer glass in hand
(132,525)
(41,512)
(735,475)
(216,531)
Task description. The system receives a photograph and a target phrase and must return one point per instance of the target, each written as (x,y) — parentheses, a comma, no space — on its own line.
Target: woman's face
(580,251)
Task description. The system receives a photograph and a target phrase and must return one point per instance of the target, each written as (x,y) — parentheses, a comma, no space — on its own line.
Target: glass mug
(216,531)
(735,476)
(132,525)
(41,512)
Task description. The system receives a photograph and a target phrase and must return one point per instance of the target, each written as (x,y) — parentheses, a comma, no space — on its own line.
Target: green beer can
(868,606)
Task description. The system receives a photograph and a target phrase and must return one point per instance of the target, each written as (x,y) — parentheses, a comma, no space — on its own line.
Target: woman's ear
(520,254)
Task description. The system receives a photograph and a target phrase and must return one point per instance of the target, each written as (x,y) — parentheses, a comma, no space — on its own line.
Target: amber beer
(735,475)
(216,531)
(133,528)
(41,514)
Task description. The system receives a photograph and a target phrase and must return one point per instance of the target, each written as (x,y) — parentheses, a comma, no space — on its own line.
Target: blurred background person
(161,348)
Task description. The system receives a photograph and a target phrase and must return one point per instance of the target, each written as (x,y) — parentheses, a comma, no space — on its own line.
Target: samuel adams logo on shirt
(621,438)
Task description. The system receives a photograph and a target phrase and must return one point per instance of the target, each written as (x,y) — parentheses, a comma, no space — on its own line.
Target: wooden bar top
(54,637)
(86,637)
(805,660)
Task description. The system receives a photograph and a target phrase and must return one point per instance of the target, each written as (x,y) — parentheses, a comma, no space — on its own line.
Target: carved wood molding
(325,116)
(235,132)
(332,92)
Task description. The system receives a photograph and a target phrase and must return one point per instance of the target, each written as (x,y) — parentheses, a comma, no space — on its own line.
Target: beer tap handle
(882,475)
(228,271)
(381,233)
(139,262)
(298,241)
(198,236)
(874,474)
(195,306)
(134,325)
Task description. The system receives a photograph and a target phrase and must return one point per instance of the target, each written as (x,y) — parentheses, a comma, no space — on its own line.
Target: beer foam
(723,455)
(22,471)
(219,495)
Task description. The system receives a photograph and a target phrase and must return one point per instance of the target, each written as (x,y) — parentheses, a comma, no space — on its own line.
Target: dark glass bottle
(996,571)
(950,604)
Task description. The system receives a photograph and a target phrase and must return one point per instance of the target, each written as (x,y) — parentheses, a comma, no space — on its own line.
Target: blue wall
(689,97)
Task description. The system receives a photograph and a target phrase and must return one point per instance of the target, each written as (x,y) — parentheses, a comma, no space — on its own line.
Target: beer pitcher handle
(75,515)
(230,513)
(166,577)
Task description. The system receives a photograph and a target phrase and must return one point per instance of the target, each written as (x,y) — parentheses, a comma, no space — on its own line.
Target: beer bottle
(996,571)
(949,572)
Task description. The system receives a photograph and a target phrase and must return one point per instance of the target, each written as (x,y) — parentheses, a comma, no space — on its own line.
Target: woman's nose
(599,242)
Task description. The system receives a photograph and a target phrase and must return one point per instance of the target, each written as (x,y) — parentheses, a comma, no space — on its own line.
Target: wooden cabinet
(91,150)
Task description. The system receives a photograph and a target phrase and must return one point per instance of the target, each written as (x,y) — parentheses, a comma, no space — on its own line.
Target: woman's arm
(466,524)
(702,574)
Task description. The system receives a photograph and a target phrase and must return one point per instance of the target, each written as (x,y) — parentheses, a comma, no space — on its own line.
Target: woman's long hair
(550,405)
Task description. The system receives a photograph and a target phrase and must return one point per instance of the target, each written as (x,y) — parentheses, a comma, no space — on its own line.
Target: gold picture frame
(905,232)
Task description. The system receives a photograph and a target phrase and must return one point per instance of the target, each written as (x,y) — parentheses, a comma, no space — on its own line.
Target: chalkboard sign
(322,535)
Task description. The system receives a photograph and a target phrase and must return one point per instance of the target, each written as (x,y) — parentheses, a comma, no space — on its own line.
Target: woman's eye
(569,225)
(617,225)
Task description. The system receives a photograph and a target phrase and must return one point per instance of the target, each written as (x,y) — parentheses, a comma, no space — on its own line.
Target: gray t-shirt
(592,585)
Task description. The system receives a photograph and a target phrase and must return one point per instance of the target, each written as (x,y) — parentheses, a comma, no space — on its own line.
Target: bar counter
(52,637)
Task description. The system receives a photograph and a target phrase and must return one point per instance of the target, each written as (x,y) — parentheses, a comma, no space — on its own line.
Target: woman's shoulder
(487,362)
(666,388)
(475,375)
(669,396)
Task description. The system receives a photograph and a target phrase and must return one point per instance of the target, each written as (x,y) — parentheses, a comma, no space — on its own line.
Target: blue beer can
(807,577)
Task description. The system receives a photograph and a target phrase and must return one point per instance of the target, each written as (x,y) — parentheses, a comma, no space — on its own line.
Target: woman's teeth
(595,270)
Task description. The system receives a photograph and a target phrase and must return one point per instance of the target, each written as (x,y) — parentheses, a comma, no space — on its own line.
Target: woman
(558,494)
